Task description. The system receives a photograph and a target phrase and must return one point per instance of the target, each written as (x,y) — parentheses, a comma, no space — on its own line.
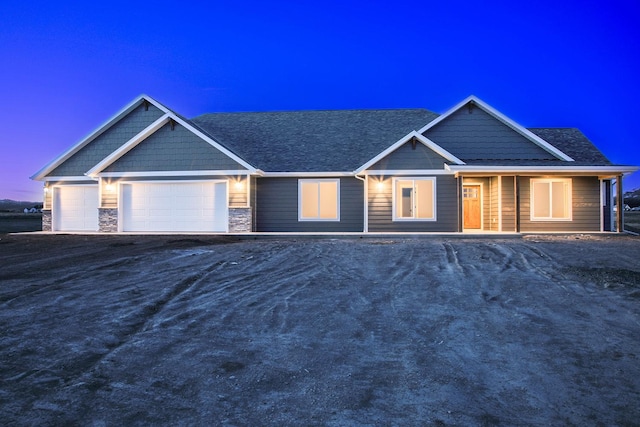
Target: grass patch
(632,221)
(17,222)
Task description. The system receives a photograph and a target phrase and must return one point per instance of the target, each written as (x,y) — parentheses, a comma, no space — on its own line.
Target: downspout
(365,213)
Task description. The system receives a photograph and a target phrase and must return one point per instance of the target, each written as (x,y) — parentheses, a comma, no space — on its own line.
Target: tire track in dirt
(452,261)
(13,295)
(141,321)
(264,283)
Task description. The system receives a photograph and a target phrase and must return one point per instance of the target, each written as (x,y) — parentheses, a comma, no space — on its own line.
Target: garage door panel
(75,208)
(174,206)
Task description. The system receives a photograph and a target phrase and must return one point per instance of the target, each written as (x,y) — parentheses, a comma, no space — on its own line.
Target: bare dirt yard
(203,330)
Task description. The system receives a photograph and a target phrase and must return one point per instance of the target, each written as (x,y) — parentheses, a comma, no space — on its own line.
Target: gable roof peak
(132,105)
(474,100)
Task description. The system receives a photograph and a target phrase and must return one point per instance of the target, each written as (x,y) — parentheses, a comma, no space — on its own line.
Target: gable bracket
(172,123)
(146,104)
(414,142)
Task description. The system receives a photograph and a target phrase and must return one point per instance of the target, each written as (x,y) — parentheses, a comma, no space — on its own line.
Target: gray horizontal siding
(277,207)
(381,205)
(586,207)
(406,157)
(477,135)
(173,150)
(106,143)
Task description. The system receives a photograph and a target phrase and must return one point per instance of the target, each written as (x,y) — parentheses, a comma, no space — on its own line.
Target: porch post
(460,203)
(619,205)
(516,185)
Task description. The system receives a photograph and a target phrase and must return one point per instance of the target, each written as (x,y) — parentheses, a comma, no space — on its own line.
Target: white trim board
(134,174)
(305,174)
(69,178)
(542,169)
(401,172)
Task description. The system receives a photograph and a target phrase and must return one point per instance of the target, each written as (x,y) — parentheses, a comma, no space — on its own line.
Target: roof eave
(593,170)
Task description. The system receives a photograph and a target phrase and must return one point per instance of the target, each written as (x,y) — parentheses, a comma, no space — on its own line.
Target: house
(470,169)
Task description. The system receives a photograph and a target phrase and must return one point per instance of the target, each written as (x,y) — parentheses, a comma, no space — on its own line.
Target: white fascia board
(151,174)
(504,119)
(413,134)
(68,178)
(407,172)
(305,174)
(544,169)
(40,175)
(129,145)
(215,144)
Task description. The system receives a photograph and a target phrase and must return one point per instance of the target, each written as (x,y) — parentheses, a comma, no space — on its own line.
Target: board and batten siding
(277,207)
(381,205)
(585,207)
(108,141)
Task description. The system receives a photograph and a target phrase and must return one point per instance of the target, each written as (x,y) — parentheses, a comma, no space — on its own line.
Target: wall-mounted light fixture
(110,188)
(380,185)
(239,185)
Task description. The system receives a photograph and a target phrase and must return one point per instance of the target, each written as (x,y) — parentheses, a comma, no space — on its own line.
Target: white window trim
(317,219)
(394,217)
(569,200)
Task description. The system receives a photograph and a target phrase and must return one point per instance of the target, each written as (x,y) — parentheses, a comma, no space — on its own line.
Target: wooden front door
(472,207)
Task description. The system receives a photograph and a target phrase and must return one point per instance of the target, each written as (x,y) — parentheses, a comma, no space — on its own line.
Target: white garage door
(75,208)
(174,206)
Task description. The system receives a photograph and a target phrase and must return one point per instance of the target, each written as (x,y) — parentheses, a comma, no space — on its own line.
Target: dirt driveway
(185,330)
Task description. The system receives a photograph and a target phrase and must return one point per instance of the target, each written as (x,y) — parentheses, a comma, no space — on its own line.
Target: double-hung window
(414,199)
(551,199)
(319,200)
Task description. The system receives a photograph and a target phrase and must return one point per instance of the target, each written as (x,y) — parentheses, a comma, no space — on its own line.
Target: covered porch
(535,201)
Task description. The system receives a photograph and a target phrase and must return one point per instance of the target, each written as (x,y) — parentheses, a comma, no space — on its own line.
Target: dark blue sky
(68,67)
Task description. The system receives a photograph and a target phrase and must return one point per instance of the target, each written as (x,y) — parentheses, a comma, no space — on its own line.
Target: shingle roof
(311,141)
(573,143)
(343,140)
